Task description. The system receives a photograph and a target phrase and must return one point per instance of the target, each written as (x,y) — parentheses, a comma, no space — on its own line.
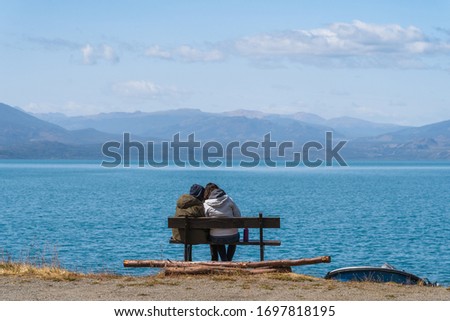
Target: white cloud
(186,53)
(92,55)
(68,108)
(109,54)
(88,54)
(349,39)
(143,89)
(54,43)
(357,44)
(191,54)
(156,52)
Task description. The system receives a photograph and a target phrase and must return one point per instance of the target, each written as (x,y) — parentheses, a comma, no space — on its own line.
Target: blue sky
(385,61)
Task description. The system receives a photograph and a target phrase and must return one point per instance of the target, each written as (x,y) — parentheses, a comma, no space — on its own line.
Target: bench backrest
(189,223)
(232,222)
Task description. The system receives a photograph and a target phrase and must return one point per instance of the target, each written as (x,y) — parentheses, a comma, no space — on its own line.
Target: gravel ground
(285,287)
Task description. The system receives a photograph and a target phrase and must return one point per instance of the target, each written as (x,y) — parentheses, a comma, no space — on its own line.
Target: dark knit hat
(197,191)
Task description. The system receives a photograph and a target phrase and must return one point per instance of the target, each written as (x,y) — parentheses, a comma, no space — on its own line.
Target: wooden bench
(190,223)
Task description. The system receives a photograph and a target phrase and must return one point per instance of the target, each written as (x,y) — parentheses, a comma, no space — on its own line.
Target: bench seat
(249,242)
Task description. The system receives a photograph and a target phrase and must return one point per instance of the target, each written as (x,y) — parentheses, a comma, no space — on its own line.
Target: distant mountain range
(206,126)
(25,136)
(430,142)
(55,135)
(249,124)
(347,126)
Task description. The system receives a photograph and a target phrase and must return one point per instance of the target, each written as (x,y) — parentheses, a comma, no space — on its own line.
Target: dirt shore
(272,287)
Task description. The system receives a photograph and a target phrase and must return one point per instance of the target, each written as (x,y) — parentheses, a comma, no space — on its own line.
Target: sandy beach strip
(267,287)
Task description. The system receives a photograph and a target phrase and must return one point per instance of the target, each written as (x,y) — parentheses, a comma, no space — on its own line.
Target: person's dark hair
(197,191)
(209,188)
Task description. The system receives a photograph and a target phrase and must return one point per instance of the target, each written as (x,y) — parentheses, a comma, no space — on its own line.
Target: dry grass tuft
(291,277)
(224,278)
(147,281)
(266,286)
(43,272)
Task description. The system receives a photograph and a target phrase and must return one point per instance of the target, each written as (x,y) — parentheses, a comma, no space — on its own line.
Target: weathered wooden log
(221,270)
(273,263)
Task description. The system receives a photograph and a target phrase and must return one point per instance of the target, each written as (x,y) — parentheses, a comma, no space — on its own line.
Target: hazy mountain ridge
(207,126)
(350,127)
(166,123)
(430,142)
(24,136)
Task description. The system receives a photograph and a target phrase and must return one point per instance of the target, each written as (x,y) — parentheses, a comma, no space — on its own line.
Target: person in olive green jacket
(191,205)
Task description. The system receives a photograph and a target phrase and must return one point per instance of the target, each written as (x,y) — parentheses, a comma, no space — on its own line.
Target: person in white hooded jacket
(219,204)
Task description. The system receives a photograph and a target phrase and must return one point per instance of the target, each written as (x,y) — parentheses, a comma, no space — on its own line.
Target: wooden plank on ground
(272,263)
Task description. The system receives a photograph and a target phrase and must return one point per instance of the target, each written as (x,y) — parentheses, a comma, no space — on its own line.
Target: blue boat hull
(375,274)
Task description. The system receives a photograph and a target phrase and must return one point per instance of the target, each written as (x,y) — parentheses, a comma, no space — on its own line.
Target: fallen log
(221,270)
(272,263)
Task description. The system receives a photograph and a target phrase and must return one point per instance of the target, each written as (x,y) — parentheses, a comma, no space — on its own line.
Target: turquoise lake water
(90,219)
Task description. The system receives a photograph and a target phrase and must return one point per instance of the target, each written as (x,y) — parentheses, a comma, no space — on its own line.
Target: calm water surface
(90,219)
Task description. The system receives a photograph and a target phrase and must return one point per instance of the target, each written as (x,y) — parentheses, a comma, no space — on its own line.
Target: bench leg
(261,237)
(188,252)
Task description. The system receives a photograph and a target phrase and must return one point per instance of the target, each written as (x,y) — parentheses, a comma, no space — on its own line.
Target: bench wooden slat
(250,242)
(213,222)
